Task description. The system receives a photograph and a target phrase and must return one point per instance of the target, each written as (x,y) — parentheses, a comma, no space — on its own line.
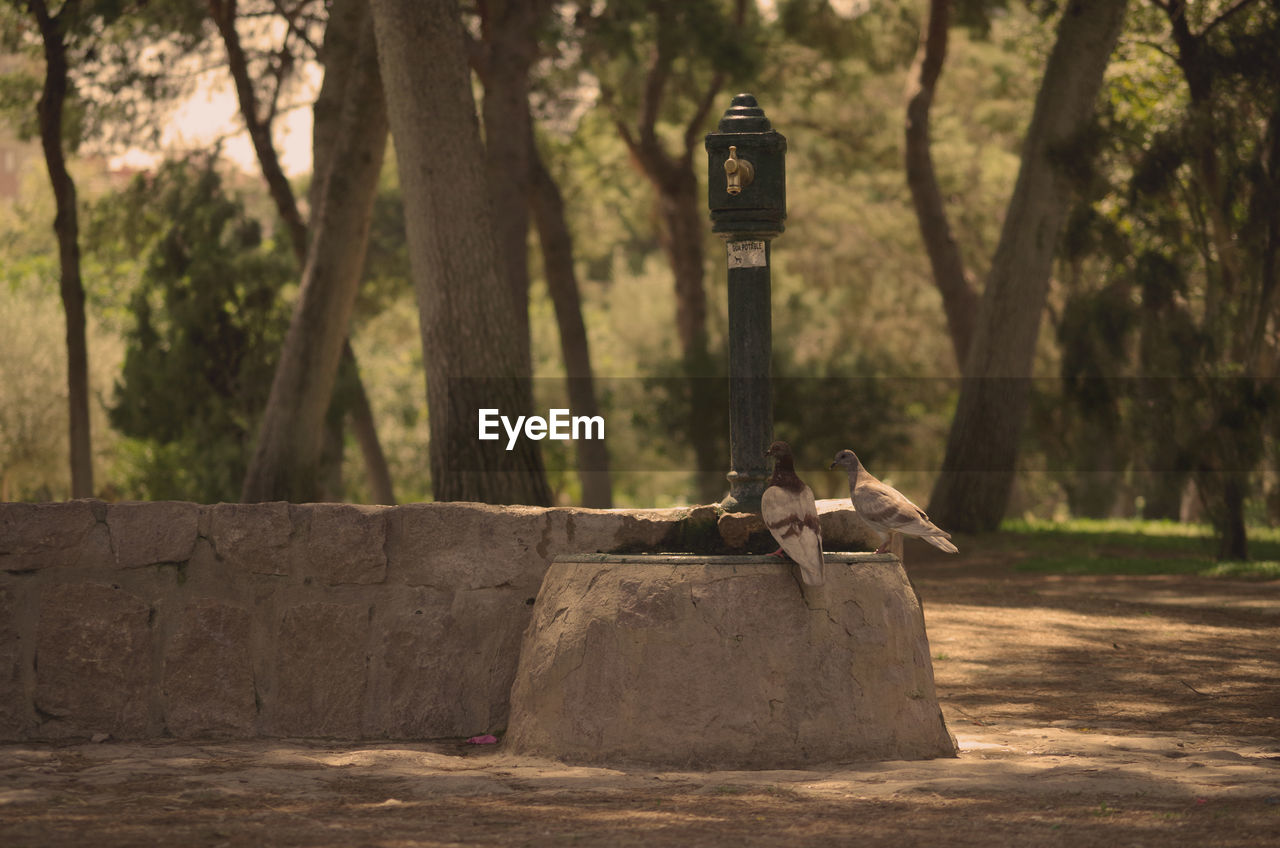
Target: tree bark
(290,438)
(67,228)
(470,336)
(959,296)
(341,44)
(338,53)
(562,284)
(973,489)
(511,46)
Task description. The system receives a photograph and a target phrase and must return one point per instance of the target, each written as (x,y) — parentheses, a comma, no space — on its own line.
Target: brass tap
(738,173)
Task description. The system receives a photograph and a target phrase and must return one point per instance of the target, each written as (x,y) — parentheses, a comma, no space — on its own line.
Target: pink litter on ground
(487,739)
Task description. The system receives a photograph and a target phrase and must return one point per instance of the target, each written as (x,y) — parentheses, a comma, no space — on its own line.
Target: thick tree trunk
(973,489)
(470,336)
(67,228)
(340,46)
(562,284)
(959,297)
(290,441)
(510,37)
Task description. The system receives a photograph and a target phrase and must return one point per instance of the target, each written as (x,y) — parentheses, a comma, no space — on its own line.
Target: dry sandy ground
(1117,711)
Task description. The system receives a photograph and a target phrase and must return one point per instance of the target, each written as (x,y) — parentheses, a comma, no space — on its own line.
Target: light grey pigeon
(886,510)
(790,513)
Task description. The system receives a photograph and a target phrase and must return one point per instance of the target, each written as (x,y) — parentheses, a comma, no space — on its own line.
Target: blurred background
(1130,364)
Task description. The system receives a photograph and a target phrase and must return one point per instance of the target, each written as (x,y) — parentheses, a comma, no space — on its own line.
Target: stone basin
(722,661)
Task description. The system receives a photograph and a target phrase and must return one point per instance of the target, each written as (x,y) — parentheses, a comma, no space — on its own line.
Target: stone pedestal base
(696,661)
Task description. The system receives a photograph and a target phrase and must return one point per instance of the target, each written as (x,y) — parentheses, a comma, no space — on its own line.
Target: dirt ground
(1108,711)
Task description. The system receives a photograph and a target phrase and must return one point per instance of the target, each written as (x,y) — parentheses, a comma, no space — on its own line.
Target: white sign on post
(746,254)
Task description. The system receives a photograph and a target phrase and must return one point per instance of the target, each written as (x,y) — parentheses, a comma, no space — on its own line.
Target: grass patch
(1257,570)
(1131,546)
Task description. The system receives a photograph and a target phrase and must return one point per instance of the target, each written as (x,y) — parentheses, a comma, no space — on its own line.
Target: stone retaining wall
(144,620)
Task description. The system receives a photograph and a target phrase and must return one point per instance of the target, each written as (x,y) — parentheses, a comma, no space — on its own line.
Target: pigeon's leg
(888,540)
(778,553)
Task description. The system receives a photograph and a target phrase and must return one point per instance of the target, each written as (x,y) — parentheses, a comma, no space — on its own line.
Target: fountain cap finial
(744,115)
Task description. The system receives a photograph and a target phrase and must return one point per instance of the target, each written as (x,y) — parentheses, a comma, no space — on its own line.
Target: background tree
(55,31)
(556,244)
(972,490)
(959,295)
(208,323)
(290,443)
(285,468)
(470,337)
(1181,230)
(670,62)
(503,57)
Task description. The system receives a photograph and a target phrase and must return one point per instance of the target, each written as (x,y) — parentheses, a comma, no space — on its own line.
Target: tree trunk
(683,218)
(1198,67)
(224,15)
(381,489)
(562,284)
(67,228)
(1222,494)
(510,37)
(341,43)
(1162,494)
(683,215)
(959,298)
(290,438)
(470,337)
(973,489)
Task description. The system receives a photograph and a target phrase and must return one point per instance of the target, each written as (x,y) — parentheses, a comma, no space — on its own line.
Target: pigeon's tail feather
(810,575)
(942,543)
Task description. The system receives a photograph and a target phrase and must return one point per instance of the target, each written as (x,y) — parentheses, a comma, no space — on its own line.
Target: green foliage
(1171,253)
(1130,546)
(209,322)
(859,337)
(1144,337)
(883,34)
(32,409)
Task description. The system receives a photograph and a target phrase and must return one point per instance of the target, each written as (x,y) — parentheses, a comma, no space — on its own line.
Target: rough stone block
(93,661)
(208,681)
(436,544)
(15,703)
(741,530)
(321,669)
(722,661)
(417,684)
(251,537)
(150,533)
(36,536)
(843,529)
(347,544)
(443,665)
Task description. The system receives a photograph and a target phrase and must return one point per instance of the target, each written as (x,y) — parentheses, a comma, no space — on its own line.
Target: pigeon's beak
(831,466)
